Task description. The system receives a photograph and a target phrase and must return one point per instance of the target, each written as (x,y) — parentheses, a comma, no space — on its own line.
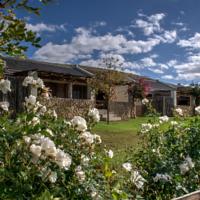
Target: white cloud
(154,55)
(148,62)
(189,70)
(123,63)
(178,23)
(150,24)
(193,42)
(172,62)
(167,77)
(167,36)
(41,27)
(85,42)
(156,71)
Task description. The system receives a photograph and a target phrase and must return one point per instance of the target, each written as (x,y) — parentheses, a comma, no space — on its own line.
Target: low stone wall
(187,110)
(121,109)
(68,108)
(191,196)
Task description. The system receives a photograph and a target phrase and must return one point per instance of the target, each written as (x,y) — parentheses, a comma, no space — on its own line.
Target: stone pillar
(70,91)
(33,90)
(174,96)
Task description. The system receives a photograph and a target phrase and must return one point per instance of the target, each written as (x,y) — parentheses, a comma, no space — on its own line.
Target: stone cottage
(67,83)
(71,94)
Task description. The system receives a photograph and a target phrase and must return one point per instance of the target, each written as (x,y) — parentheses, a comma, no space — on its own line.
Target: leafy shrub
(46,157)
(168,159)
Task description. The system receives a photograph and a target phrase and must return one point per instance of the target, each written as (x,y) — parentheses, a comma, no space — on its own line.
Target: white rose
(184,168)
(179,111)
(84,159)
(127,166)
(49,147)
(53,177)
(54,114)
(5,86)
(4,106)
(63,159)
(36,150)
(79,123)
(35,121)
(31,100)
(39,83)
(146,128)
(137,179)
(27,139)
(87,137)
(110,153)
(97,138)
(197,109)
(28,80)
(145,101)
(80,173)
(163,119)
(94,113)
(49,131)
(162,177)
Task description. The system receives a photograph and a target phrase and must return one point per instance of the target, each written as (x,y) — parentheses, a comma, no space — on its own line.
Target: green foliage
(28,176)
(14,35)
(171,155)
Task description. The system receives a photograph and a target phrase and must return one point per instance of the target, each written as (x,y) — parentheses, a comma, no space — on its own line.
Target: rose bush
(45,157)
(168,159)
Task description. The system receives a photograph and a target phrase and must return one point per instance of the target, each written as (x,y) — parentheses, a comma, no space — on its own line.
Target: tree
(107,79)
(135,91)
(14,35)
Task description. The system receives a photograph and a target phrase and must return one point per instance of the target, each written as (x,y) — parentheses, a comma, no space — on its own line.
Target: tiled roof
(17,65)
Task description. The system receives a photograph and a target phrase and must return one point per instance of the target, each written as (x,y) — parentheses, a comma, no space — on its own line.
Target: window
(79,92)
(183,101)
(58,89)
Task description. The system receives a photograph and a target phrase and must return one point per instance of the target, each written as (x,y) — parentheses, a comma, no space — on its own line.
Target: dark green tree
(14,36)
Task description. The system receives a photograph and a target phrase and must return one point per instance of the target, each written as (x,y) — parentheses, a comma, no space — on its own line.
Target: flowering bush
(168,160)
(150,110)
(45,157)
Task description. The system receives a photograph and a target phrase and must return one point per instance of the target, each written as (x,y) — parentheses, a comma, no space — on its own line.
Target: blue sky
(155,38)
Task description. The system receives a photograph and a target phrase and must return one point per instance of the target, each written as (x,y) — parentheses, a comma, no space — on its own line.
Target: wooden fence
(163,105)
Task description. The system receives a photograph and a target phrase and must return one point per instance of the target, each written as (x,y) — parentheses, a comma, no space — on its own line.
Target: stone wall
(187,110)
(68,108)
(121,109)
(121,94)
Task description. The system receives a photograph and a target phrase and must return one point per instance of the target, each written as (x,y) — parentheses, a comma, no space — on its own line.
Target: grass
(122,134)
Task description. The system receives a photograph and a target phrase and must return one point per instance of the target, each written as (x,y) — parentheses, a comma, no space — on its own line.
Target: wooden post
(70,91)
(164,105)
(174,96)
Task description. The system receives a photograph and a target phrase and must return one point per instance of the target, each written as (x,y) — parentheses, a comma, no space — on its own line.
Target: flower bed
(43,156)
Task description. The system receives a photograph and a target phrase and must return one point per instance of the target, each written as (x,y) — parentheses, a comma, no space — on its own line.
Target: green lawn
(120,135)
